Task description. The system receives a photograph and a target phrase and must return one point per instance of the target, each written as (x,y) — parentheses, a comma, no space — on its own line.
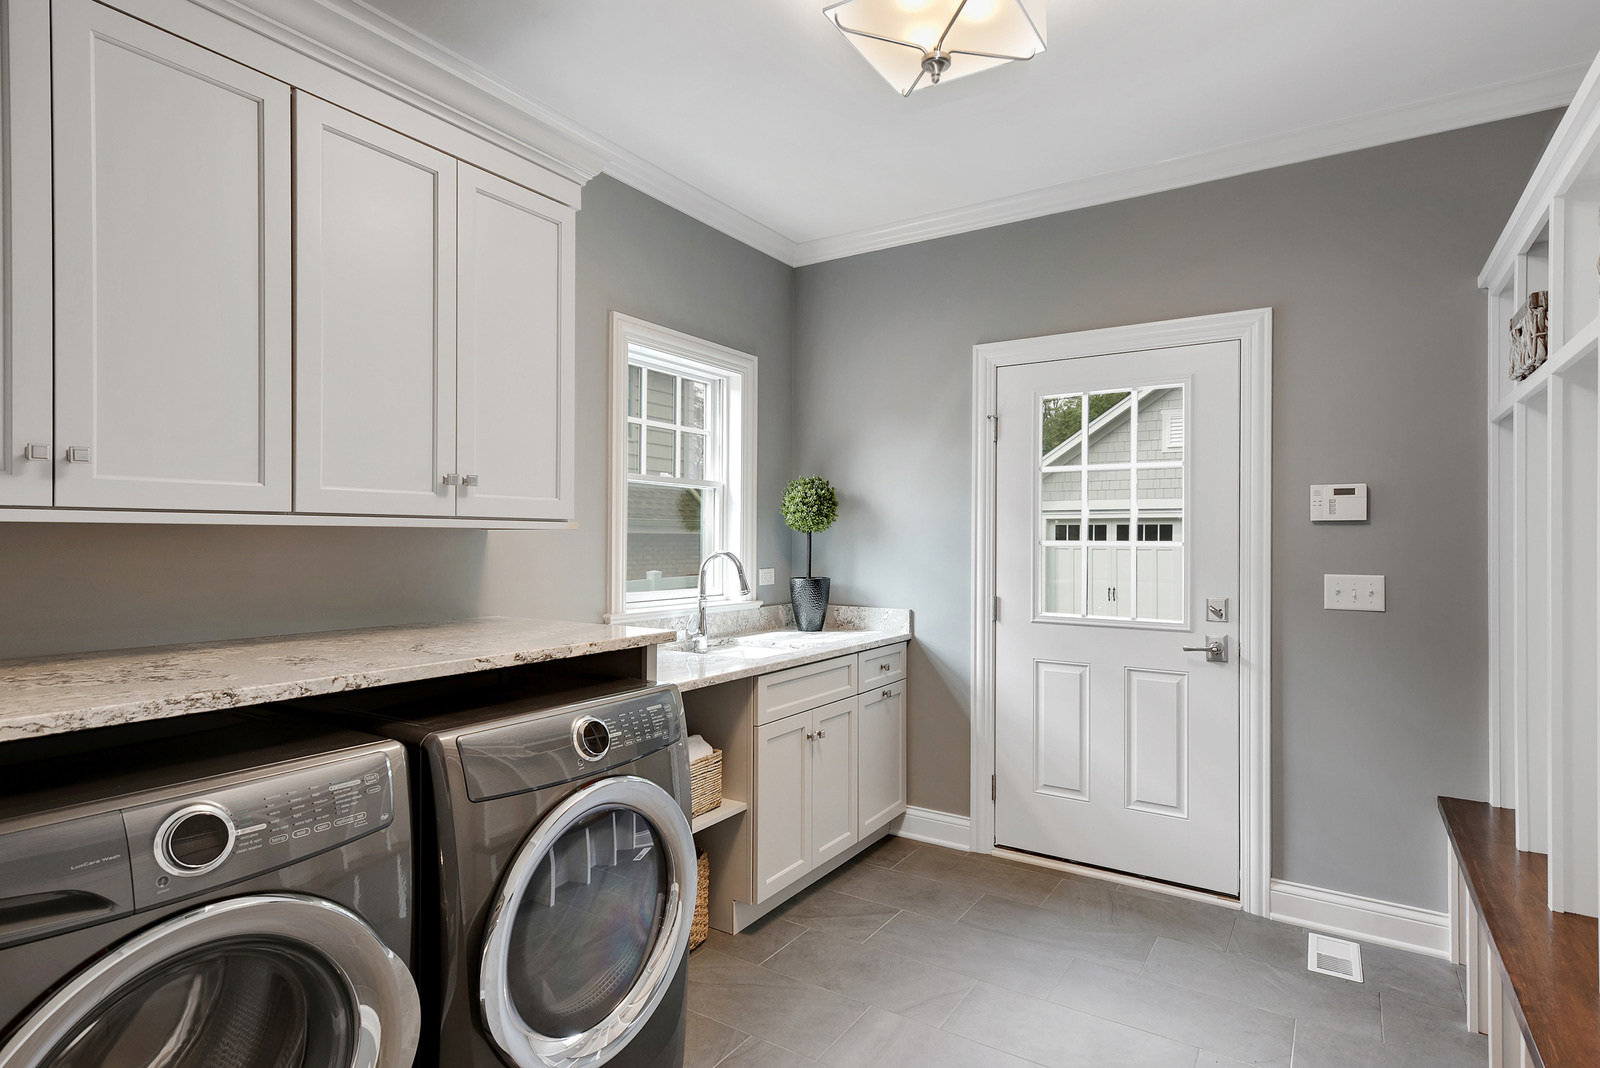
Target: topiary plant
(809,506)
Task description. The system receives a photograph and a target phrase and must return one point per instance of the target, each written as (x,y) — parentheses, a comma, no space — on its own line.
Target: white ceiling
(758,117)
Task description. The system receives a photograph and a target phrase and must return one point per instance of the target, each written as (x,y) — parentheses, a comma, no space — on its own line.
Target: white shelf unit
(1544,534)
(725,811)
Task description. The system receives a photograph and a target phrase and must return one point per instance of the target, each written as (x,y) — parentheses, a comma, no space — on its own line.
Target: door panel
(26,340)
(881,756)
(172,271)
(833,780)
(1114,747)
(375,405)
(783,803)
(515,352)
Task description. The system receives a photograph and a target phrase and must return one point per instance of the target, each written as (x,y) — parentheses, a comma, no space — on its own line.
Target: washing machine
(566,878)
(219,891)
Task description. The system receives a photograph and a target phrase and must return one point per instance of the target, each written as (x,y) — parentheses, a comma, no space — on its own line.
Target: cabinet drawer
(879,666)
(783,693)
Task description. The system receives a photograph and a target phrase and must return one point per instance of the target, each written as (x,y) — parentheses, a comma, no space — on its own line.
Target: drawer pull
(885,667)
(888,693)
(821,735)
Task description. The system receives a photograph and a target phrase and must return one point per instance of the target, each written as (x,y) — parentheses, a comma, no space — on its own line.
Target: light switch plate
(1353,593)
(766,576)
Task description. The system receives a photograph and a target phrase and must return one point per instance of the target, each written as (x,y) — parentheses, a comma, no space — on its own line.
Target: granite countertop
(53,694)
(758,641)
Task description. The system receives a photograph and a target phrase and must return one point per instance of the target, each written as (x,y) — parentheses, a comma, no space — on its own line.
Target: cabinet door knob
(809,736)
(35,451)
(888,693)
(451,479)
(469,480)
(822,734)
(78,454)
(885,667)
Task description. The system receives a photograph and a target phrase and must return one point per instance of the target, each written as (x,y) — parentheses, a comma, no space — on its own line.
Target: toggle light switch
(1353,593)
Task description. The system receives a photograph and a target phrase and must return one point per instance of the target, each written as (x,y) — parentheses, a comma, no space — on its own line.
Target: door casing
(1253,331)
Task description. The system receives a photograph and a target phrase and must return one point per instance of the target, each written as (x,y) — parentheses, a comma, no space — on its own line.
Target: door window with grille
(1111,504)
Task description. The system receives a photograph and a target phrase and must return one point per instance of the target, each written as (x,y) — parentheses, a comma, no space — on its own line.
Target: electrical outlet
(766,576)
(1353,593)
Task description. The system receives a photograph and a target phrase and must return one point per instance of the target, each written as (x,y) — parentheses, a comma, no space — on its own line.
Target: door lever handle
(1215,648)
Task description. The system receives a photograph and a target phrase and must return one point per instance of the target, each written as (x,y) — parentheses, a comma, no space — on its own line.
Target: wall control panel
(1352,593)
(1346,503)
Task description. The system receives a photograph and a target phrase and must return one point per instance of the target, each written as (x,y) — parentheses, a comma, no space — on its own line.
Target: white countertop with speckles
(53,694)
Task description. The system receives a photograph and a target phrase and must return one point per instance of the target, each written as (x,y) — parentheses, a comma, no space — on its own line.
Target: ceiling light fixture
(918,43)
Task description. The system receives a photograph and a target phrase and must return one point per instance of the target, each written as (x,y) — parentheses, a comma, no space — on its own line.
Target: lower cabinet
(881,756)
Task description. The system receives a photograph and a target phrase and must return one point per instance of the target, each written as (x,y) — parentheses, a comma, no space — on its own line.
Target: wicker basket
(701,927)
(1530,336)
(705,779)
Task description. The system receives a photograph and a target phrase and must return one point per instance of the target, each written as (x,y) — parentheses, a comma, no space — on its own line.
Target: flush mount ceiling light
(918,43)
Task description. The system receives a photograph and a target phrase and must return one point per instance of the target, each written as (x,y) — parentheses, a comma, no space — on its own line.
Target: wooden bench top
(1550,961)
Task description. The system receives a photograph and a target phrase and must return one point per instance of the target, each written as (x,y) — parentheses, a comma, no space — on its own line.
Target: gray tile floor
(914,956)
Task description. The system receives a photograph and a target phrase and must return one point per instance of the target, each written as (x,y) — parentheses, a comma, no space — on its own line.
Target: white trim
(742,391)
(934,827)
(1253,331)
(1521,96)
(145,516)
(1364,919)
(1117,877)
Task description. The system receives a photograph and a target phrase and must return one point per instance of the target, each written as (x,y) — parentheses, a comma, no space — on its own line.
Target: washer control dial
(195,839)
(591,737)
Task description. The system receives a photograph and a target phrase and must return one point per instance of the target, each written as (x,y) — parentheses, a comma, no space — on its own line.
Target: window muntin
(1112,505)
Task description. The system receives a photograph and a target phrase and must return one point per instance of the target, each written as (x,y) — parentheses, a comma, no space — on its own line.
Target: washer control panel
(188,844)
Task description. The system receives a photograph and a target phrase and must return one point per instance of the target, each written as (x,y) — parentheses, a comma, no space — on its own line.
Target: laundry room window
(683,480)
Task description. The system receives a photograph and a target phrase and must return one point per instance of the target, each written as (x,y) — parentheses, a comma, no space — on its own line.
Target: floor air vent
(1334,956)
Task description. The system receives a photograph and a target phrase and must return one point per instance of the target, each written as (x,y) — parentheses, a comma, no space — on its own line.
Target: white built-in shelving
(1544,488)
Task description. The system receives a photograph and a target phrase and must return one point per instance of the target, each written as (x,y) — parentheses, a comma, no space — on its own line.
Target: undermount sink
(789,639)
(742,652)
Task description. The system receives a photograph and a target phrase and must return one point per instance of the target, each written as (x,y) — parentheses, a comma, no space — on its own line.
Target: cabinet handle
(821,735)
(809,736)
(451,479)
(78,454)
(885,667)
(469,480)
(35,451)
(888,693)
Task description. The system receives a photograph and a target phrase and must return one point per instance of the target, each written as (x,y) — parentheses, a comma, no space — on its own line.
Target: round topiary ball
(809,505)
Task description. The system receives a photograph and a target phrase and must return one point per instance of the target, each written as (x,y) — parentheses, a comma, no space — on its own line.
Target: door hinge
(994,425)
(993,788)
(997,608)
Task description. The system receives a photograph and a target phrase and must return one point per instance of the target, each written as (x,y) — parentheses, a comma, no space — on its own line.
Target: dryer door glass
(241,1004)
(587,922)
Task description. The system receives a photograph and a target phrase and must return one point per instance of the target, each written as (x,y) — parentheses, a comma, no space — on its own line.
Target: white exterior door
(1117,518)
(783,803)
(172,271)
(833,780)
(375,225)
(515,351)
(26,338)
(881,755)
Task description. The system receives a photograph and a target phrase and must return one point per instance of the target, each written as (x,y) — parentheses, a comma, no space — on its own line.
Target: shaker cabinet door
(26,341)
(375,371)
(515,433)
(783,803)
(172,271)
(833,780)
(881,757)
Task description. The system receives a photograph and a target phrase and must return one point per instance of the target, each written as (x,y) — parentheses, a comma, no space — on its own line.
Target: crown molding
(1470,107)
(674,192)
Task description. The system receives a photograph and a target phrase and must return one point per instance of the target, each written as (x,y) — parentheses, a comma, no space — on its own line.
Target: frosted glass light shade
(918,43)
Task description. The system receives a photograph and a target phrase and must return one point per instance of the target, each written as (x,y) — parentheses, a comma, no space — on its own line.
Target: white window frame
(737,512)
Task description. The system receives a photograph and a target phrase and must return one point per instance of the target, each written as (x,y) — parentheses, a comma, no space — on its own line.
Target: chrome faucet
(701,642)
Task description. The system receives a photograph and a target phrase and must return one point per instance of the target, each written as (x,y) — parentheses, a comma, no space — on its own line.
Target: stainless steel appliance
(566,868)
(224,891)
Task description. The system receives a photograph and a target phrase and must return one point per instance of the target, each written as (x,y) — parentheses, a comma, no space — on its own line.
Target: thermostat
(1339,504)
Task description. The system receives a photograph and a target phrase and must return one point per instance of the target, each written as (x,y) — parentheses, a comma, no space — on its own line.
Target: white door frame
(1253,331)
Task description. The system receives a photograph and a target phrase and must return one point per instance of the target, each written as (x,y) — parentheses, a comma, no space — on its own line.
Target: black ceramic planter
(809,596)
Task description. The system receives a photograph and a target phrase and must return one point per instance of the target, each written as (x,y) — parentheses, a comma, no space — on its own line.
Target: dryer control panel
(185,845)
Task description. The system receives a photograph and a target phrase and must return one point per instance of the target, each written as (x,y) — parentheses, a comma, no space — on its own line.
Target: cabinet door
(25,322)
(375,361)
(833,780)
(783,803)
(881,756)
(172,265)
(515,434)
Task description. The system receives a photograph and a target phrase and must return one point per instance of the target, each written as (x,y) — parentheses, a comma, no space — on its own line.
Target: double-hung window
(683,480)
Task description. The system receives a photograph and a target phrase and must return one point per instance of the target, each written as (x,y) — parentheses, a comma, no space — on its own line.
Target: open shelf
(725,811)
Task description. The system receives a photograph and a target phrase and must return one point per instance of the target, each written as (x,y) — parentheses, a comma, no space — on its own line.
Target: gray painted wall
(69,587)
(1369,261)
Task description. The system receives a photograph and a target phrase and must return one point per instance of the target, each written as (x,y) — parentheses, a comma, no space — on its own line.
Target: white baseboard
(935,827)
(1364,919)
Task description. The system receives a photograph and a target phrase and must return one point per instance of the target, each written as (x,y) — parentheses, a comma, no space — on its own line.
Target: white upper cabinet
(375,259)
(515,429)
(25,314)
(172,276)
